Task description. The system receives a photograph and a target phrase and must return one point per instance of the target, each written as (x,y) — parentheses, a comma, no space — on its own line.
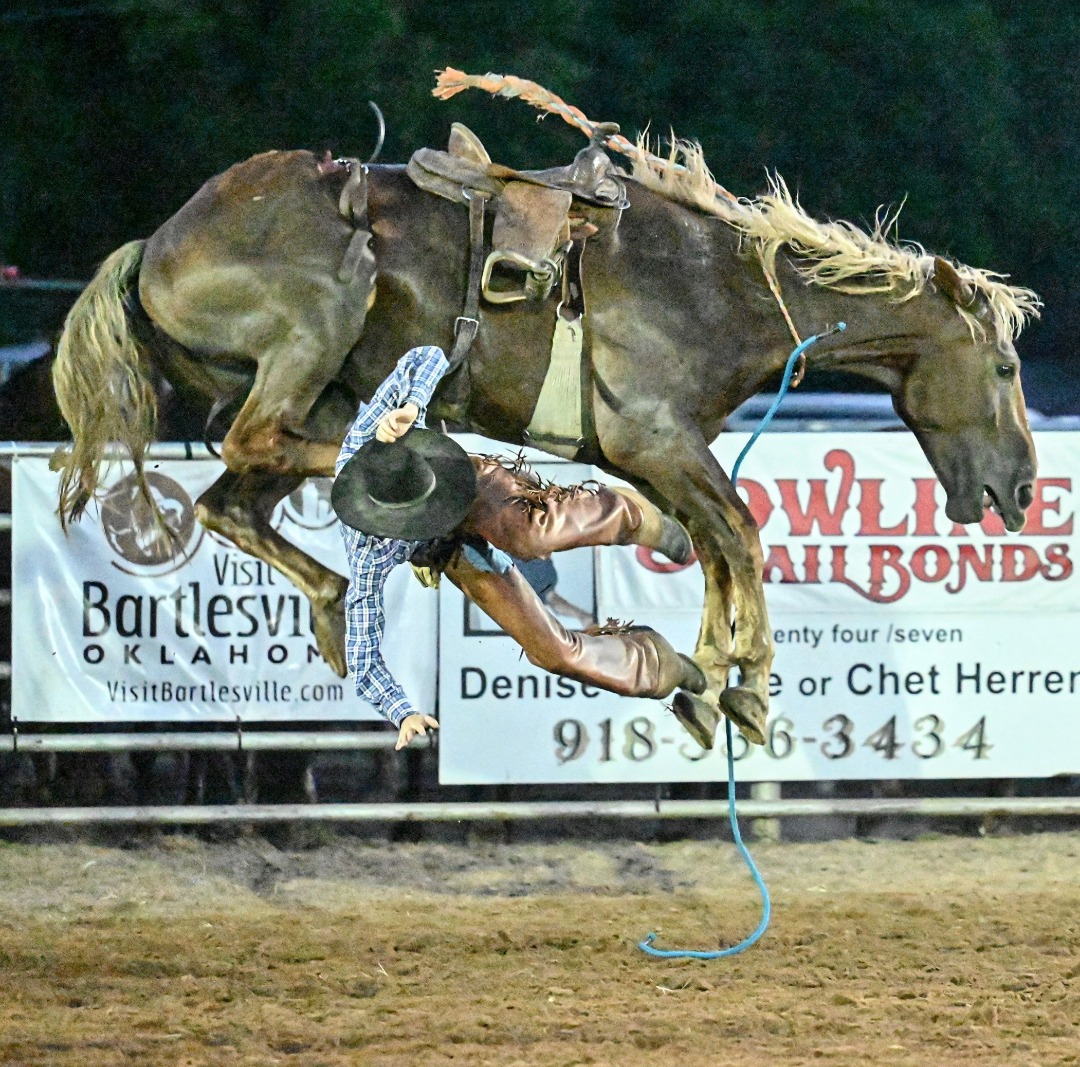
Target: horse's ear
(950,283)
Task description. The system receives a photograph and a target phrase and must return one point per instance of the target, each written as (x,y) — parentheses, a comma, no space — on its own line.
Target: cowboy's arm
(376,685)
(422,369)
(400,401)
(365,619)
(412,381)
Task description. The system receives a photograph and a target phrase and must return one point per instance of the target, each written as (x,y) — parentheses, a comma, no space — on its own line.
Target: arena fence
(764,806)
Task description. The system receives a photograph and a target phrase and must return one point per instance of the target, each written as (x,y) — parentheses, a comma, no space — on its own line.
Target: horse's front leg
(729,550)
(239,507)
(714,645)
(676,462)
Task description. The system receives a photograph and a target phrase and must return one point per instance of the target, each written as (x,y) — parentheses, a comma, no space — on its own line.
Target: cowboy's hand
(428,577)
(393,424)
(413,725)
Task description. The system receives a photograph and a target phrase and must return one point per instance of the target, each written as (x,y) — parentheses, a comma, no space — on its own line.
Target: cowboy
(405,493)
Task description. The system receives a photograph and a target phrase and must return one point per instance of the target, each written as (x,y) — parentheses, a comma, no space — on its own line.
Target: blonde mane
(837,255)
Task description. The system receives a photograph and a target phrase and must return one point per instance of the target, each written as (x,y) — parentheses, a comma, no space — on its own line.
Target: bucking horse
(612,316)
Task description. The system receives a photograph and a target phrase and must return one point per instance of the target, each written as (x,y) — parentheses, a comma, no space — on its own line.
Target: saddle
(534,228)
(537,241)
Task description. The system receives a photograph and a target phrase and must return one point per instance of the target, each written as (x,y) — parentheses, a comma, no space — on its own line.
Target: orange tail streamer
(450,82)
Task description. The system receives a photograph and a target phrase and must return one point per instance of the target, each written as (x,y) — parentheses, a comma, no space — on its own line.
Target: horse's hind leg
(268,433)
(239,507)
(285,285)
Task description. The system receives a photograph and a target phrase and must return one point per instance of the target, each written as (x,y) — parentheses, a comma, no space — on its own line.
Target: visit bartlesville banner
(906,646)
(109,626)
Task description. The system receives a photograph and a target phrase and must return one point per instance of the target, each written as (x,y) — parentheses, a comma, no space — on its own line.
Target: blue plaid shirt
(372,558)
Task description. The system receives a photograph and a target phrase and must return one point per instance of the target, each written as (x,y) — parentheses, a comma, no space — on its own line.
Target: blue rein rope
(766,903)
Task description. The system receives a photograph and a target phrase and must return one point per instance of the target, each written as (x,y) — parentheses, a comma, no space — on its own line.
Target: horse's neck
(880,333)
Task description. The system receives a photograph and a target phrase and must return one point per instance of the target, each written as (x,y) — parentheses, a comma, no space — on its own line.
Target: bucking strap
(353,207)
(557,423)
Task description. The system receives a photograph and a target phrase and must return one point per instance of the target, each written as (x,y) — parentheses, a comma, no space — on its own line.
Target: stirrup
(540,277)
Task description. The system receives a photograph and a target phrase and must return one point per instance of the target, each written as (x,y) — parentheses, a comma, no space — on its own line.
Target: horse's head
(960,394)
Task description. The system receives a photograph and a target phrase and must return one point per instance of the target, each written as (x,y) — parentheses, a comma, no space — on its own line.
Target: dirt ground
(942,950)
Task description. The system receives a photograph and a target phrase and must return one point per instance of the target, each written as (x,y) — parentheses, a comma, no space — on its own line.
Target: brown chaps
(516,512)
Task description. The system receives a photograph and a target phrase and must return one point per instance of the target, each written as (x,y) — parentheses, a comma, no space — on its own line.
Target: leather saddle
(534,226)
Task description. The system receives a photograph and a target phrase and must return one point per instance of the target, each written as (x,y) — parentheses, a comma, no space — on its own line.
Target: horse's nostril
(1025,495)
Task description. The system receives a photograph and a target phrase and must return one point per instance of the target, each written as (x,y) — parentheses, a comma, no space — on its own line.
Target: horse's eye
(1006,370)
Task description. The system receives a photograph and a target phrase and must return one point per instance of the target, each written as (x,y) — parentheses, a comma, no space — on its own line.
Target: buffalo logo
(309,505)
(145,541)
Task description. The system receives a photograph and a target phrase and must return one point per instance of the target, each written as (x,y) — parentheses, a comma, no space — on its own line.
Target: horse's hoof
(747,711)
(675,542)
(335,659)
(698,716)
(693,676)
(330,636)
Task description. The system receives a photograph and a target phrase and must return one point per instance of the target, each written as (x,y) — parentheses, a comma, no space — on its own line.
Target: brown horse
(263,288)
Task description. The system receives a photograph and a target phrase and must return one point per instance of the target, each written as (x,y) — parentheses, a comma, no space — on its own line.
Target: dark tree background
(112,114)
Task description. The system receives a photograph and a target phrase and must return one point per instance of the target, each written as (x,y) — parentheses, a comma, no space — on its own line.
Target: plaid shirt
(372,558)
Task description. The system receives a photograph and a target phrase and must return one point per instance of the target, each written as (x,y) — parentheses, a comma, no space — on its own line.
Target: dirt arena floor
(945,950)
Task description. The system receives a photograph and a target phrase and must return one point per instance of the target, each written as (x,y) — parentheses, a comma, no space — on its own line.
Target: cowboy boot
(628,661)
(516,512)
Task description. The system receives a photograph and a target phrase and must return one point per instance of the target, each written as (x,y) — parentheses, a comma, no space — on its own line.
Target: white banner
(107,627)
(907,647)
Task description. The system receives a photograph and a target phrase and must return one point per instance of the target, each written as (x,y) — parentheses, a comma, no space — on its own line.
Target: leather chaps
(516,512)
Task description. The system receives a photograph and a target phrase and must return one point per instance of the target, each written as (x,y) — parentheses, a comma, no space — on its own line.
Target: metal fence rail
(517,811)
(19,741)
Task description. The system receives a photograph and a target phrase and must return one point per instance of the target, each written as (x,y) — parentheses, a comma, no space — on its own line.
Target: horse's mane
(835,254)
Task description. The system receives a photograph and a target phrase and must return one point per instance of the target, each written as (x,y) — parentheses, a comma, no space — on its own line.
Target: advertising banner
(906,646)
(109,626)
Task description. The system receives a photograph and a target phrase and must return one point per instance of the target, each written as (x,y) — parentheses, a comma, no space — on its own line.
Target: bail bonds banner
(906,646)
(108,627)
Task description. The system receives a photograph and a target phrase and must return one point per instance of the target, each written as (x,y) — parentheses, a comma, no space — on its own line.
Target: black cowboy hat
(417,488)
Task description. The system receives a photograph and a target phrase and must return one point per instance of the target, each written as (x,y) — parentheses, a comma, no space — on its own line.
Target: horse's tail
(102,383)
